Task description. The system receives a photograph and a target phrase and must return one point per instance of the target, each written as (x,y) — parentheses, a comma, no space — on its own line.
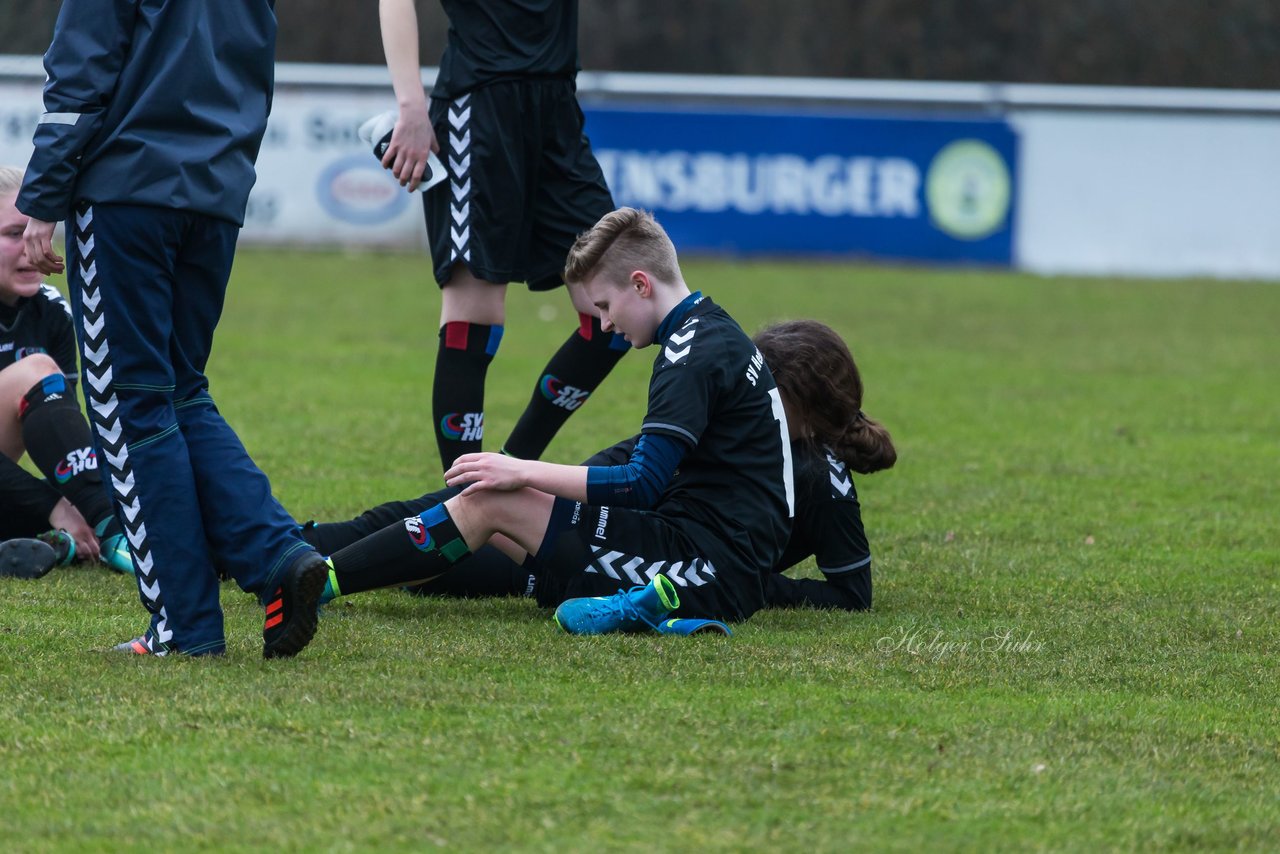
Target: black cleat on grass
(25,558)
(291,611)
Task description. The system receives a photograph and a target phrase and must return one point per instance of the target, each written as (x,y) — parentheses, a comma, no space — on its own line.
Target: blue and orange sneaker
(687,626)
(26,558)
(145,645)
(631,610)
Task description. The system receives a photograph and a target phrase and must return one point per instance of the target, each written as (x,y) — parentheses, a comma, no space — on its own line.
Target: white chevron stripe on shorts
(459,161)
(641,570)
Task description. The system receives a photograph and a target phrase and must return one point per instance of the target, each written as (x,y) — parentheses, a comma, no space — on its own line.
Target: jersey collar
(676,315)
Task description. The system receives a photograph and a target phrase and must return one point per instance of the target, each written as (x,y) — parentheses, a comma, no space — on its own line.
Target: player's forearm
(399,22)
(560,480)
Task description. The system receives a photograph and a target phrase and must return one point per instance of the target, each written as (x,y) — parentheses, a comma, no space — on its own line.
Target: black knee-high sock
(457,397)
(577,368)
(59,443)
(415,549)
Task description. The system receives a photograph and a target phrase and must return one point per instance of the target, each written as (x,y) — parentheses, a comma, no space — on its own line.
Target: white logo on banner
(709,182)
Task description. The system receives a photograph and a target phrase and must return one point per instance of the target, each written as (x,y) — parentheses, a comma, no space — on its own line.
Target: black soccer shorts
(523,182)
(597,551)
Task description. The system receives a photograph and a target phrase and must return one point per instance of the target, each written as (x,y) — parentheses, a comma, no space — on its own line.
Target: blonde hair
(623,241)
(10,180)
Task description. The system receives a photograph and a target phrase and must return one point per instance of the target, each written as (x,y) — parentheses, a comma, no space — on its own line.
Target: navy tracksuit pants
(147,287)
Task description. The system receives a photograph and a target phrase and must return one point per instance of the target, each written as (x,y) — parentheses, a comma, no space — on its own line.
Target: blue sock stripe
(54,384)
(433,516)
(495,338)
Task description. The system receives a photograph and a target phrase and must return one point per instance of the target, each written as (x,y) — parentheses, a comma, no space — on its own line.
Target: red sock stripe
(584,325)
(455,334)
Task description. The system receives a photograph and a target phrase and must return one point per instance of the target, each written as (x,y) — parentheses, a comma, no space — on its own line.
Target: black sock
(418,548)
(489,573)
(60,444)
(573,373)
(457,398)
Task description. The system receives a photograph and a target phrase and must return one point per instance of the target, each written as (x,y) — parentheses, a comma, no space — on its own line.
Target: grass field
(1074,643)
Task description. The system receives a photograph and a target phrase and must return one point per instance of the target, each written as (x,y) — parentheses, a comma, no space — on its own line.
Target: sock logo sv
(560,394)
(463,426)
(418,533)
(76,462)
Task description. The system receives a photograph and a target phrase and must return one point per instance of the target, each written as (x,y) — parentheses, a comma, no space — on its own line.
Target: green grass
(1087,467)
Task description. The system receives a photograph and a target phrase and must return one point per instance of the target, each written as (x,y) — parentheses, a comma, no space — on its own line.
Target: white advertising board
(1149,195)
(318,184)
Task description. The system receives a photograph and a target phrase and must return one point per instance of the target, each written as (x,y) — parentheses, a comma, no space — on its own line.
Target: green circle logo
(968,190)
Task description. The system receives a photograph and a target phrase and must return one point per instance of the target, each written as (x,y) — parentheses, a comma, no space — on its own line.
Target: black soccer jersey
(828,523)
(712,390)
(39,324)
(506,40)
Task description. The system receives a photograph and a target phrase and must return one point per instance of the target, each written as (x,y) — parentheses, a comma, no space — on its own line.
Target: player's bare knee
(472,513)
(17,379)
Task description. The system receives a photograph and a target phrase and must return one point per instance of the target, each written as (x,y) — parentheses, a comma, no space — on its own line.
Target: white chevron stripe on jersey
(674,356)
(841,483)
(54,297)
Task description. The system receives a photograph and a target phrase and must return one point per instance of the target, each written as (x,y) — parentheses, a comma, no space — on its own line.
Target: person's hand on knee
(487,471)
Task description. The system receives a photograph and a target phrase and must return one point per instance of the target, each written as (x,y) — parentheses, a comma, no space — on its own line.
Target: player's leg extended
(254,540)
(328,537)
(471,323)
(430,544)
(120,269)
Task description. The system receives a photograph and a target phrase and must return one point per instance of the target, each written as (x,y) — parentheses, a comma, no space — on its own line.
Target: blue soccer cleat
(692,627)
(116,555)
(633,610)
(114,549)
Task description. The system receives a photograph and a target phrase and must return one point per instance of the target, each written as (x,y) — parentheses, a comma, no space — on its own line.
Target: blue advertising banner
(773,182)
